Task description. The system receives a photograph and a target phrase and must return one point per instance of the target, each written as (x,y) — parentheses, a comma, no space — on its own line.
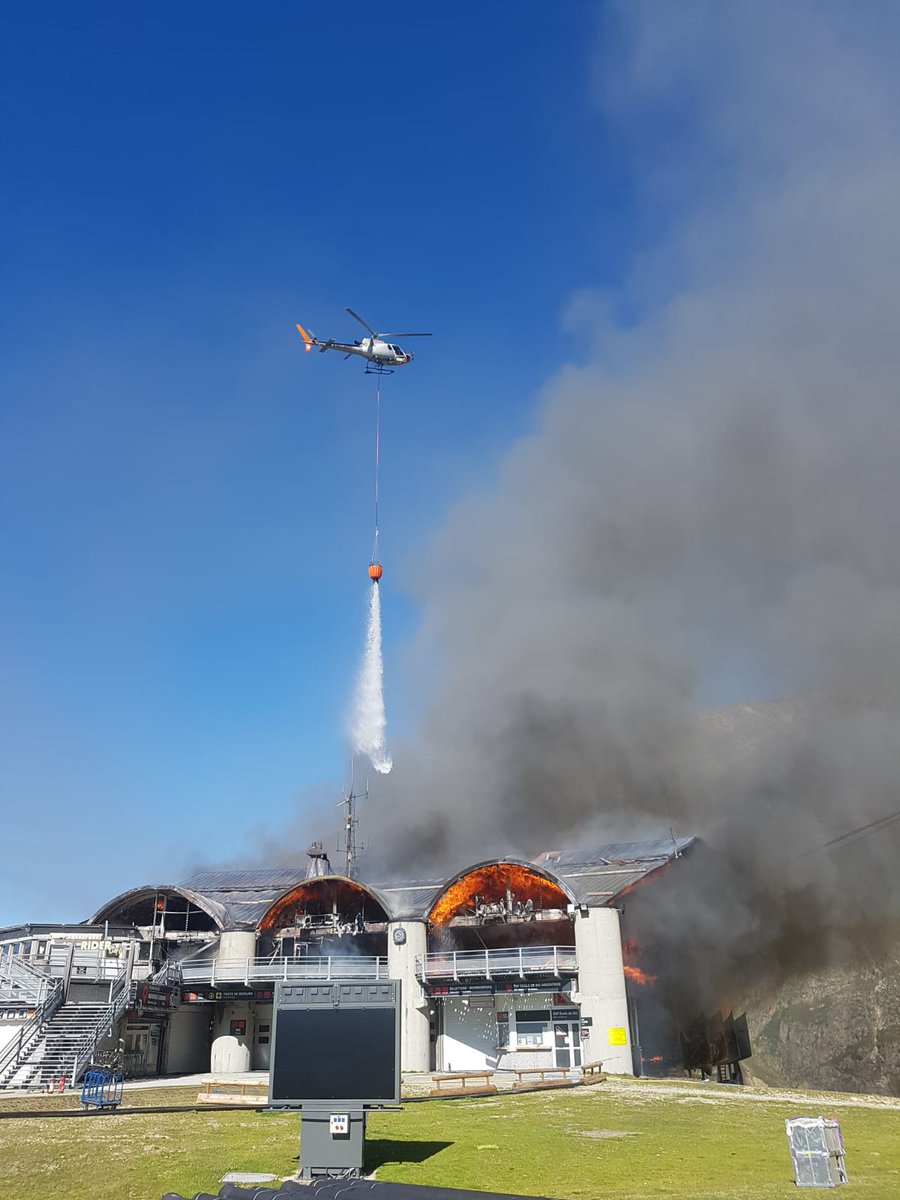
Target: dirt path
(687,1090)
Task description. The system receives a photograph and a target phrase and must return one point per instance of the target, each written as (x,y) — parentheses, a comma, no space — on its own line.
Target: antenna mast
(348,845)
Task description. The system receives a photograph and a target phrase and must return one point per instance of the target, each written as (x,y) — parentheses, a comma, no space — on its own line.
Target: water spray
(369,721)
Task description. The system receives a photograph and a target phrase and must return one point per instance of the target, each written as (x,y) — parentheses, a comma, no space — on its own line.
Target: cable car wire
(856,834)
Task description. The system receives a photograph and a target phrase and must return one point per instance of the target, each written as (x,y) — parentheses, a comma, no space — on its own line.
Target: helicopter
(381,356)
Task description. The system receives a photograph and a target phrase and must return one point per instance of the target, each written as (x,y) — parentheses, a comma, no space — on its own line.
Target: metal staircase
(27,1044)
(65,1032)
(61,1039)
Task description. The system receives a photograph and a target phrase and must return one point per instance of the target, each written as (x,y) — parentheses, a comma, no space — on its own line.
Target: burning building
(505,964)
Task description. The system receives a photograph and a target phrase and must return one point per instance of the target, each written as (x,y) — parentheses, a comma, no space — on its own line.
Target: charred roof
(240,898)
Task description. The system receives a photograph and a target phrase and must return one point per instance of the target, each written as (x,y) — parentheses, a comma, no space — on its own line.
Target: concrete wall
(231,1053)
(469,1036)
(601,989)
(187,1047)
(415,1043)
(8,1031)
(262,1050)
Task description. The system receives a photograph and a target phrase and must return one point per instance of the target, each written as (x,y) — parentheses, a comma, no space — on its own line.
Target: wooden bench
(463,1083)
(593,1071)
(527,1077)
(250,1095)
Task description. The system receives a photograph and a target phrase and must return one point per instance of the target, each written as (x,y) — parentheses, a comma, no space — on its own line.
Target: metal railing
(167,975)
(119,996)
(21,984)
(86,964)
(269,970)
(520,961)
(12,1054)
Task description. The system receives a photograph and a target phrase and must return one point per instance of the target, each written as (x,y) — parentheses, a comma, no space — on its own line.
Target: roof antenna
(349,843)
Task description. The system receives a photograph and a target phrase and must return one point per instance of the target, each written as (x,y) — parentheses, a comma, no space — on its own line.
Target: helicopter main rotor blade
(364,324)
(404,335)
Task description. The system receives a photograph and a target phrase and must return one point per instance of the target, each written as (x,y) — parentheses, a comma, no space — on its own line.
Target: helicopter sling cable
(369,720)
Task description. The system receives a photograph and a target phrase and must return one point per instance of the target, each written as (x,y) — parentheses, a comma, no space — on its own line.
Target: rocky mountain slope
(838,1029)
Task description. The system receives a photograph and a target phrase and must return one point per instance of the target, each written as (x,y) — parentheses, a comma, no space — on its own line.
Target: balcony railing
(85,964)
(268,970)
(520,961)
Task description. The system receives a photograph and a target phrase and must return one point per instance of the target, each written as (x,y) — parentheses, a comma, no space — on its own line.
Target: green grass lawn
(626,1143)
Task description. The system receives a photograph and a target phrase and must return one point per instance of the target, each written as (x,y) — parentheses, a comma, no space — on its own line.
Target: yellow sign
(616,1035)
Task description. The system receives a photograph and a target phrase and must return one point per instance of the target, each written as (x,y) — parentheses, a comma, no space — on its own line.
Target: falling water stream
(369,721)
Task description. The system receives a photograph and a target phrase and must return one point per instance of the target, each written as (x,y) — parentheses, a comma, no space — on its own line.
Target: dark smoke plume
(707,510)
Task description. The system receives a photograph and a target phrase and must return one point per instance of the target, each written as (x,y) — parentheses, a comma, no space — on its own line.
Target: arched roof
(241,899)
(126,900)
(308,888)
(482,873)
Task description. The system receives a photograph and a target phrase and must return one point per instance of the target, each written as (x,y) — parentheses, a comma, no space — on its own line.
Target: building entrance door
(567,1044)
(136,1048)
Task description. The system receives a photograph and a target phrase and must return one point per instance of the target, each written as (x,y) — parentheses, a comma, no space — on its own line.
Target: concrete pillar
(406,940)
(601,989)
(232,1040)
(231,1052)
(236,945)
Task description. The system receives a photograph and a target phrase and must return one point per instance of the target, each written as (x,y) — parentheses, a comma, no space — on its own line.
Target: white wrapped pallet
(817,1152)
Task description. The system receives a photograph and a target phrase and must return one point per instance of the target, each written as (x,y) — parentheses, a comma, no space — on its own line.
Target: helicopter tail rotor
(309,339)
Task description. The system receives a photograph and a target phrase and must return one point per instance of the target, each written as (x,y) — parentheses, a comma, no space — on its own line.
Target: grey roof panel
(259,879)
(598,876)
(411,900)
(595,876)
(620,852)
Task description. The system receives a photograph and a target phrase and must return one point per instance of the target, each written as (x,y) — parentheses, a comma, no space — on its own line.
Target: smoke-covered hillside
(707,507)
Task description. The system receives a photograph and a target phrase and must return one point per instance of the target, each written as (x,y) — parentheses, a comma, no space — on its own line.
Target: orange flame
(489,884)
(636,975)
(630,953)
(319,895)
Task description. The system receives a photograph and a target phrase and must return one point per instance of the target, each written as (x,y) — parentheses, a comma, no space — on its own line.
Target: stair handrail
(120,995)
(11,1054)
(20,981)
(168,973)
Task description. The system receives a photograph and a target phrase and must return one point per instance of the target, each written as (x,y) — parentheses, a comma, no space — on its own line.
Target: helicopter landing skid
(374,368)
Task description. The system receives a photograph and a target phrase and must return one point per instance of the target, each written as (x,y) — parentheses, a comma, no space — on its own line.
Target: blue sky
(185,497)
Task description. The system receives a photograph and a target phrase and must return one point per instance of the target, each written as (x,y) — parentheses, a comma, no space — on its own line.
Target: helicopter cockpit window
(396,349)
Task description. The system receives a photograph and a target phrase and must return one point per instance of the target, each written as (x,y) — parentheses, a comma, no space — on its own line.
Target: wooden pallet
(241,1095)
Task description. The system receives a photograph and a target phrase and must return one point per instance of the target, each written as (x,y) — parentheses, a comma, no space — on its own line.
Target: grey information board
(336,1044)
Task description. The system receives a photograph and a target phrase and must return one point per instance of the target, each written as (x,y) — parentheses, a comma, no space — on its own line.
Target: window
(532,1029)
